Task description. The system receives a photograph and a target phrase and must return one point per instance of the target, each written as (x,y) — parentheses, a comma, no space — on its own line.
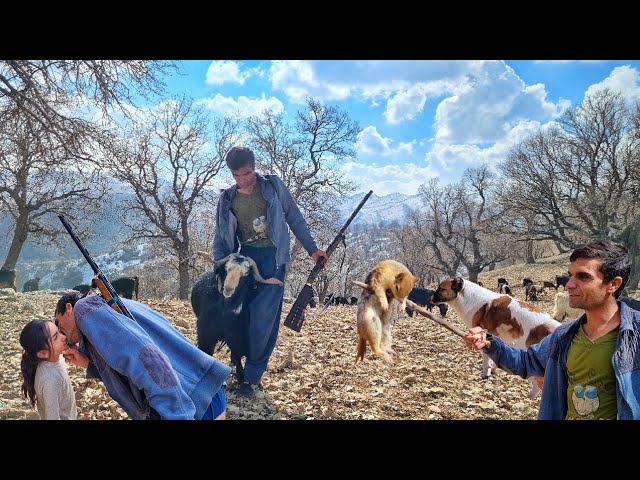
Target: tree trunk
(296,249)
(183,274)
(473,275)
(322,294)
(19,237)
(560,247)
(634,278)
(529,252)
(631,238)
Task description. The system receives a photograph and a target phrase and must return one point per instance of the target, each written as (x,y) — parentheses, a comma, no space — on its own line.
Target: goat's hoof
(249,390)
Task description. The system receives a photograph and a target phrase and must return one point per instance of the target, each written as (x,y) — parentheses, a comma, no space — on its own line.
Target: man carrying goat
(256,214)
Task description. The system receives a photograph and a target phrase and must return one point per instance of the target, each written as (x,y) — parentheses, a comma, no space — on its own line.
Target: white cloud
(405,105)
(297,79)
(226,71)
(484,99)
(406,148)
(562,62)
(243,106)
(371,142)
(408,103)
(623,79)
(450,160)
(369,79)
(401,178)
(490,103)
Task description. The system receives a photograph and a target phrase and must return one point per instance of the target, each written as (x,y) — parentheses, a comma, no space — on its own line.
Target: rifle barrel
(109,294)
(336,241)
(353,215)
(83,250)
(296,315)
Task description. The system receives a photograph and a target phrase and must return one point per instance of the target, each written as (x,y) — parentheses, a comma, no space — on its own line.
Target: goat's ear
(219,282)
(457,284)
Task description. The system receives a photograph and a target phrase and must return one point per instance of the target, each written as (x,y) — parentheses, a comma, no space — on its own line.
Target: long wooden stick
(427,313)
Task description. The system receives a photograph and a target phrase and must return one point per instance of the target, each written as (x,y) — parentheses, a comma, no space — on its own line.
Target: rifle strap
(112,301)
(344,252)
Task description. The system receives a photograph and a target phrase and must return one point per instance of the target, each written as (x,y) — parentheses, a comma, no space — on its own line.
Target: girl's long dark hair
(33,338)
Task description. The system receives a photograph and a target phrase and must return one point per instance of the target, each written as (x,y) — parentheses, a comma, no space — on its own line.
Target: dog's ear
(400,279)
(415,279)
(457,284)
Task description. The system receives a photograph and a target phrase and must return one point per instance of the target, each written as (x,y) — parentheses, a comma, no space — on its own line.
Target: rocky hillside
(312,374)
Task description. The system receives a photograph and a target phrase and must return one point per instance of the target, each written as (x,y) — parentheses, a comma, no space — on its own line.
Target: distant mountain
(72,270)
(384,210)
(67,268)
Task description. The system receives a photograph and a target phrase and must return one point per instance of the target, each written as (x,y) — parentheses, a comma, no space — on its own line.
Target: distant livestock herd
(126,287)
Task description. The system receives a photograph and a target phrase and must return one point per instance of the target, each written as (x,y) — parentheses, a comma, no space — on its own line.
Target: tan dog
(388,281)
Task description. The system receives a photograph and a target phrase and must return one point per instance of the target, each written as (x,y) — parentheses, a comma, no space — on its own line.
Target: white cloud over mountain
(243,106)
(383,180)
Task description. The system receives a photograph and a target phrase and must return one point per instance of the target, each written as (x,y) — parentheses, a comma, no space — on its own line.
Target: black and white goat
(220,300)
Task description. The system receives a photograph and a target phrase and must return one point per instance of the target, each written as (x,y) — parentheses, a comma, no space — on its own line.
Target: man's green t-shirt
(591,393)
(251,211)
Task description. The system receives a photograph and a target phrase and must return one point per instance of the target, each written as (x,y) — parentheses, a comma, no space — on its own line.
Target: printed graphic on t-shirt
(260,227)
(585,400)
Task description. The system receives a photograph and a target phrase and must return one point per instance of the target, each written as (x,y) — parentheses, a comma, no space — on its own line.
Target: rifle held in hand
(296,315)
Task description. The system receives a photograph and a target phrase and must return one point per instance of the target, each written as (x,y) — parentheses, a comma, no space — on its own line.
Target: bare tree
(408,247)
(38,178)
(307,157)
(576,180)
(579,181)
(45,90)
(460,221)
(165,163)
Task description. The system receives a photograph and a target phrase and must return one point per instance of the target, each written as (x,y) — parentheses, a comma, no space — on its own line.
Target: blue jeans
(264,312)
(218,404)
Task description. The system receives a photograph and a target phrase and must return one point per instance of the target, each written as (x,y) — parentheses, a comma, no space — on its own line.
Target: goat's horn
(220,263)
(258,277)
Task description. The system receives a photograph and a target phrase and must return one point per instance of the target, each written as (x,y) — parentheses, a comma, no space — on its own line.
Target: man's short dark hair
(239,157)
(615,260)
(71,298)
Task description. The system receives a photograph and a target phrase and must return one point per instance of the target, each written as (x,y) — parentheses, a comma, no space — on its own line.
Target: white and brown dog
(389,281)
(517,323)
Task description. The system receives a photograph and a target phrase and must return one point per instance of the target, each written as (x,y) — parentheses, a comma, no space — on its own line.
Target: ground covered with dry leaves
(312,374)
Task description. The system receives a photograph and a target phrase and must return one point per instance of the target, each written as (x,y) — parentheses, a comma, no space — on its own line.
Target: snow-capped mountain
(377,210)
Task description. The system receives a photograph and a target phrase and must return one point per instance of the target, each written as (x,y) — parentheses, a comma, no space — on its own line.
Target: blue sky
(419,119)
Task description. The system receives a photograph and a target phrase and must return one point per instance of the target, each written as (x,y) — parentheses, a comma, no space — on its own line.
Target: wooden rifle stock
(296,315)
(106,289)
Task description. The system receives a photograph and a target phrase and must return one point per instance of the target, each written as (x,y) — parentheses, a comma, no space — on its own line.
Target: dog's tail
(362,349)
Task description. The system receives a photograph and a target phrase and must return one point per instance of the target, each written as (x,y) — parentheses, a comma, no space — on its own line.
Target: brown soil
(312,374)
